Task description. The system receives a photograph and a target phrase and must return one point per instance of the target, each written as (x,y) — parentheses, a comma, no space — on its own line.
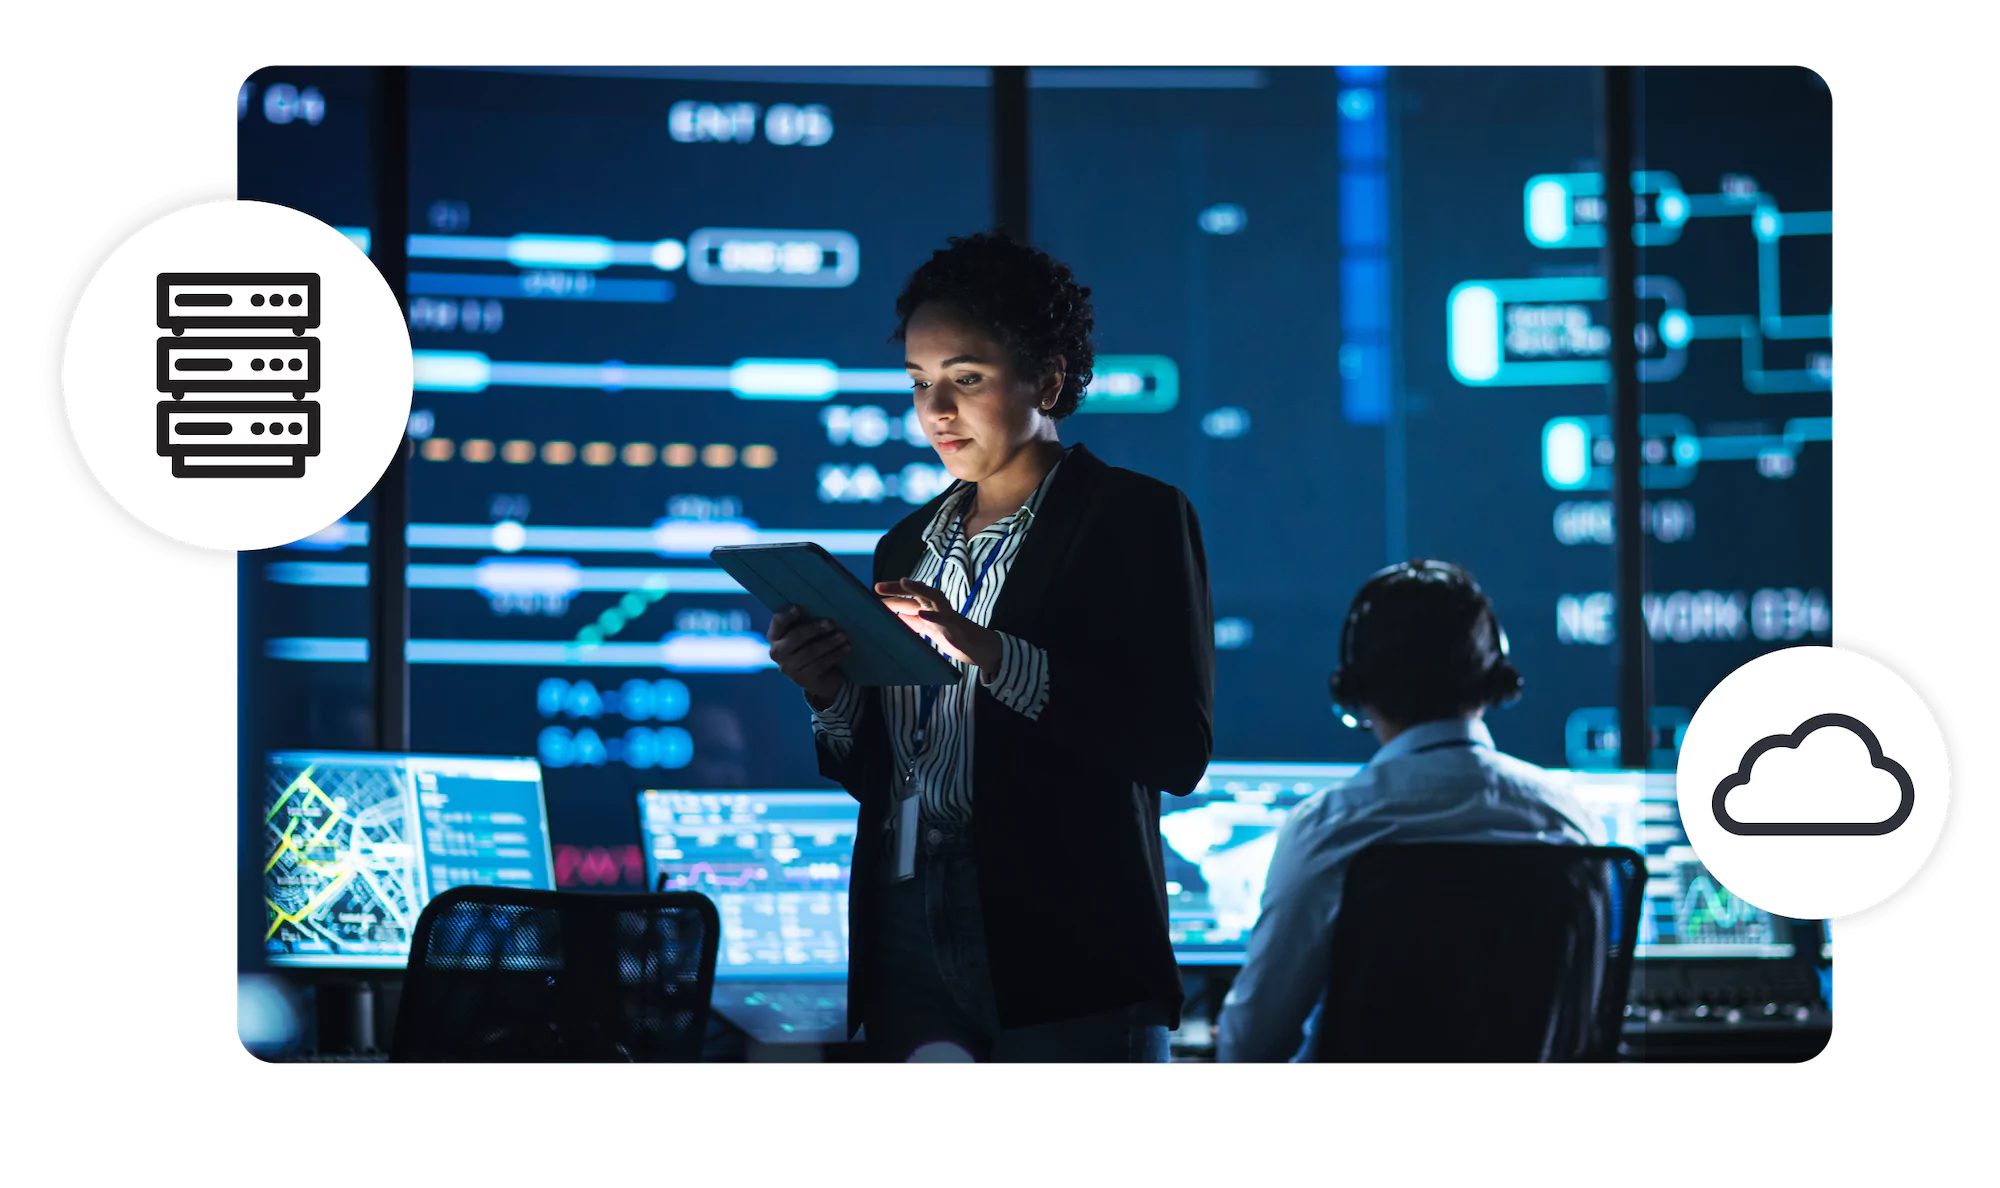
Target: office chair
(505,974)
(1482,951)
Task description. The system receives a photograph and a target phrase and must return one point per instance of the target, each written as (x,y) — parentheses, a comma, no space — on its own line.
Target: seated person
(1422,656)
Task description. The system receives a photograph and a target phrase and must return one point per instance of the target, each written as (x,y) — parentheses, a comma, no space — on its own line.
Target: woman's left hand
(927,612)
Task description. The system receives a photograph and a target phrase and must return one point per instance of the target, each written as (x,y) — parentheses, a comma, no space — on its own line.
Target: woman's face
(976,405)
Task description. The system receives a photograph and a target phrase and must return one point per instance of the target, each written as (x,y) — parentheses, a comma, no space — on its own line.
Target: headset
(1350,686)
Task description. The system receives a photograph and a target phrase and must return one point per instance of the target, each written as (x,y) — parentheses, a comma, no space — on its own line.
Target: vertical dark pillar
(388,548)
(249,765)
(1395,430)
(1616,111)
(1010,150)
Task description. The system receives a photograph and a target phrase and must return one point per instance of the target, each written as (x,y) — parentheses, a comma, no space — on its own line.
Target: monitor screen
(650,309)
(775,863)
(1688,913)
(1217,842)
(356,844)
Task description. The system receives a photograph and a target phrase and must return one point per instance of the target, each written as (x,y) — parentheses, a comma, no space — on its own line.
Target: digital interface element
(356,845)
(303,140)
(1504,349)
(1219,841)
(644,326)
(1818,796)
(775,863)
(1356,307)
(1688,913)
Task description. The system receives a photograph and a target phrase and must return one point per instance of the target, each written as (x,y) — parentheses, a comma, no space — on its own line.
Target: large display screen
(1354,312)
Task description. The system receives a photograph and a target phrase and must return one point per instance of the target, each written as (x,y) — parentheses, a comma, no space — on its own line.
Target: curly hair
(1024,297)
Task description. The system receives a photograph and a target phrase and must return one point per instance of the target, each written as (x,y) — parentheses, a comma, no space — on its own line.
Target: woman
(1025,917)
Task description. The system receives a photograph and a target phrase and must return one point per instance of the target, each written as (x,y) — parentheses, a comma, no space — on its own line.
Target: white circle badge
(1812,782)
(237,375)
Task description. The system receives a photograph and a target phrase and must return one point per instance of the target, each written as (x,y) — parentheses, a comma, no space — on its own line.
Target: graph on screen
(776,864)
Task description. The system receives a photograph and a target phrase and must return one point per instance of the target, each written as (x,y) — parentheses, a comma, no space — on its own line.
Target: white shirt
(1439,781)
(950,564)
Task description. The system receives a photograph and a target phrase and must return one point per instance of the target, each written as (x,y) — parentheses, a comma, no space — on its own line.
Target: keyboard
(1676,1009)
(1723,992)
(785,1012)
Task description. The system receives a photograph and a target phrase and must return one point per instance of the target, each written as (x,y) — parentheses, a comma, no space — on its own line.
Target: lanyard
(927,694)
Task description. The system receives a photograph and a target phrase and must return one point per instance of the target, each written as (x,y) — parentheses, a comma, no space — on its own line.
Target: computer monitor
(1220,838)
(1217,843)
(775,862)
(1688,913)
(357,843)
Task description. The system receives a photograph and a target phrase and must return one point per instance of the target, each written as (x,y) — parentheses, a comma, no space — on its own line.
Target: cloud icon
(1815,789)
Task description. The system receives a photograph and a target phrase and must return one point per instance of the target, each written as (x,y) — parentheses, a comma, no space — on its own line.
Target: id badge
(903,831)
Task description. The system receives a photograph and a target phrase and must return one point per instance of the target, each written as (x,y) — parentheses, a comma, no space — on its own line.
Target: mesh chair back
(1482,951)
(504,974)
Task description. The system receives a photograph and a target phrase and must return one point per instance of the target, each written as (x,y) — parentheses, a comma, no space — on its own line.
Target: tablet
(886,652)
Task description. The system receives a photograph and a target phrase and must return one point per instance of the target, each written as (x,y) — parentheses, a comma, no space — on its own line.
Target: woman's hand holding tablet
(809,652)
(814,594)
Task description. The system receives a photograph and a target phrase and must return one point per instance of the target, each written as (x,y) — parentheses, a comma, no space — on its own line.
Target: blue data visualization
(1219,840)
(776,864)
(1354,312)
(356,844)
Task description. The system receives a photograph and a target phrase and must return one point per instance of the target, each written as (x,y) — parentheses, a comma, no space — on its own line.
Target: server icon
(238,438)
(254,420)
(238,301)
(268,364)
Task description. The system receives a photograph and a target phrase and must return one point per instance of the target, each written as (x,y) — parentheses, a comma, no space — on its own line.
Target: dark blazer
(1111,581)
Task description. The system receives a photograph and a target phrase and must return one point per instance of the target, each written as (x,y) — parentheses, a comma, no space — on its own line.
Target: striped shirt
(950,564)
